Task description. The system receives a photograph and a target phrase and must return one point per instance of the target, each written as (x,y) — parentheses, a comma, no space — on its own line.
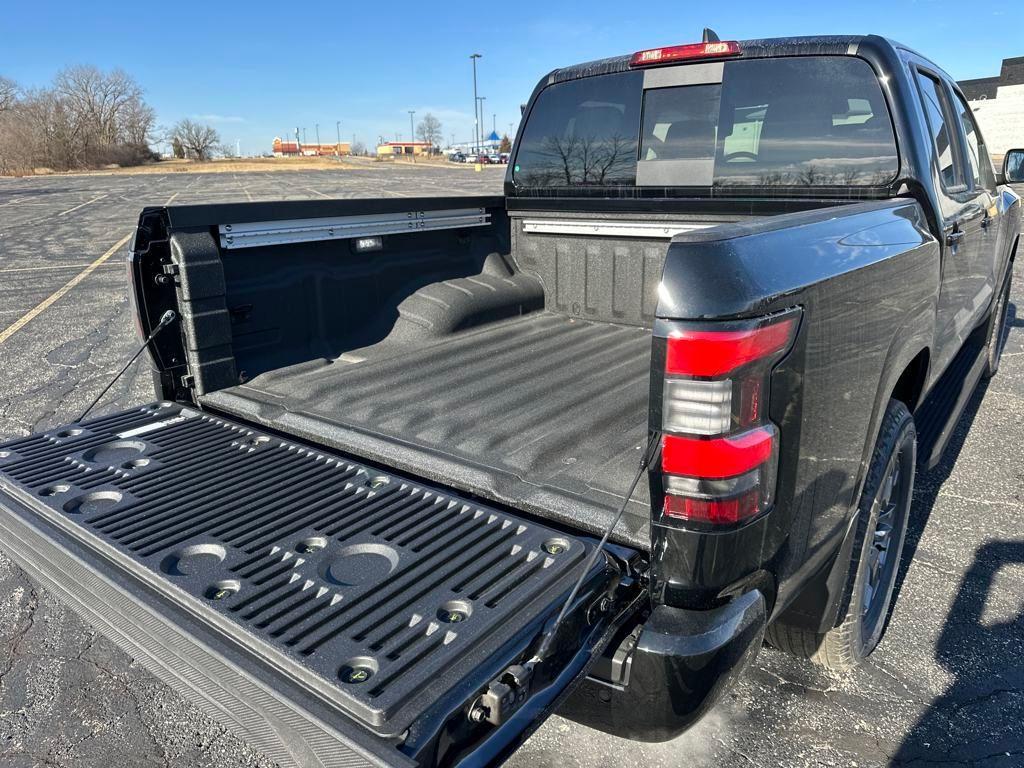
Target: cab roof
(817,45)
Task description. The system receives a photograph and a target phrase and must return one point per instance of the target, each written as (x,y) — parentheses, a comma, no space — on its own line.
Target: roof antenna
(710,36)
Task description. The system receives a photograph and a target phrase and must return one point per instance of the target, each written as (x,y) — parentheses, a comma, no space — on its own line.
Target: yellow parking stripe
(59,293)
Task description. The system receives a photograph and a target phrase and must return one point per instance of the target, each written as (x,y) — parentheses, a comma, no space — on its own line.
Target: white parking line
(42,306)
(87,202)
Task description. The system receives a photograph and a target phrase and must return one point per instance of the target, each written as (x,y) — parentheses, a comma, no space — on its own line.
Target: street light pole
(480,101)
(337,149)
(412,133)
(476,122)
(318,138)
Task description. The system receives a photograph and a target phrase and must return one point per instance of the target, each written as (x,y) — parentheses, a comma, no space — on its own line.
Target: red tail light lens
(719,451)
(713,511)
(689,52)
(716,353)
(719,457)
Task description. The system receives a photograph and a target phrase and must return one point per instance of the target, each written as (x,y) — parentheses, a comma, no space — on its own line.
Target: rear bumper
(677,669)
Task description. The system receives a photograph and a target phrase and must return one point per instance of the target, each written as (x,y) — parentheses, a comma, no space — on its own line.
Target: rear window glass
(803,121)
(583,133)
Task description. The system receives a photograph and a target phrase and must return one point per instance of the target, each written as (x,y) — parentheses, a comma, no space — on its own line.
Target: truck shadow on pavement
(980,717)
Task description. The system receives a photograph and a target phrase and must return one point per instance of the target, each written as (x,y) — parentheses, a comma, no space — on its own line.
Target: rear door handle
(954,237)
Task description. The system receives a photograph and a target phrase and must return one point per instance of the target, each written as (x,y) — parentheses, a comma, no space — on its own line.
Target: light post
(318,138)
(337,149)
(476,122)
(412,134)
(480,101)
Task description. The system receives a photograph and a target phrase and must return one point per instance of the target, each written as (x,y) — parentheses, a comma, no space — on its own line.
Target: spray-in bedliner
(543,412)
(374,590)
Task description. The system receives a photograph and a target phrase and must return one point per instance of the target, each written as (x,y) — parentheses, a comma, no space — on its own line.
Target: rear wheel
(997,330)
(883,513)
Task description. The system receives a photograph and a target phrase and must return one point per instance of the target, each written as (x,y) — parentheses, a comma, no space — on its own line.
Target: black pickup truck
(420,472)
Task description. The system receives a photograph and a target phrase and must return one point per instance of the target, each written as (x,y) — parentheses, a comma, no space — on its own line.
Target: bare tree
(199,141)
(8,94)
(429,130)
(106,107)
(17,145)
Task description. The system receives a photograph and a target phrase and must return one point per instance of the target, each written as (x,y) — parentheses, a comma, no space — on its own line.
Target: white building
(998,103)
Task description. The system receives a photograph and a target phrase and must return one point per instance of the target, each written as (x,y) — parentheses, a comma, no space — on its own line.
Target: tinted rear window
(583,133)
(799,122)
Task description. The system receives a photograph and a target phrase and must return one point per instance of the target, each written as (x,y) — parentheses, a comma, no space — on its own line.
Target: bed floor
(544,412)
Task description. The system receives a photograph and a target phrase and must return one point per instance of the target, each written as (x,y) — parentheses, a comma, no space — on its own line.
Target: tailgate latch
(504,696)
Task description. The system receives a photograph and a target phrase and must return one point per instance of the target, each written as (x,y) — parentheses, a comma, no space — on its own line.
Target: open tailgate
(330,612)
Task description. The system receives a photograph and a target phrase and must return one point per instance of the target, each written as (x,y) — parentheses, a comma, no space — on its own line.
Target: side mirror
(1013,166)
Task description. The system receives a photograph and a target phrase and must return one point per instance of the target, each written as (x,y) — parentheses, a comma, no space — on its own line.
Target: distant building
(999,104)
(284,148)
(407,148)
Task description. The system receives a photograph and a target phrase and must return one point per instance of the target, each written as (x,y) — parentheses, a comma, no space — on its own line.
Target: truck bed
(368,592)
(544,412)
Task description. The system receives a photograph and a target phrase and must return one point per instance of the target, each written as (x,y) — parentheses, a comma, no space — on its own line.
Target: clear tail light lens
(719,450)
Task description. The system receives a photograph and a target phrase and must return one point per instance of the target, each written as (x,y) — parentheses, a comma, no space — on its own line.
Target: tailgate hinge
(504,695)
(167,275)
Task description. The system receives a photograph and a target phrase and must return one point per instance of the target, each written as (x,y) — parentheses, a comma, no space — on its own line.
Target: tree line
(87,118)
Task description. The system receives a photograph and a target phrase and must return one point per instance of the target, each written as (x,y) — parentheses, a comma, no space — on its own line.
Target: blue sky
(257,69)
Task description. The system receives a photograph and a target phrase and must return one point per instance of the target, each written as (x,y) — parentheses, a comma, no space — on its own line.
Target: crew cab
(420,472)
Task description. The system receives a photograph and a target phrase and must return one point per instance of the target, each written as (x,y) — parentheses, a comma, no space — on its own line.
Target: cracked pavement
(945,688)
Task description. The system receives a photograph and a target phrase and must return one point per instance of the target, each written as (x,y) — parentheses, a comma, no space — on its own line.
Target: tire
(997,331)
(884,508)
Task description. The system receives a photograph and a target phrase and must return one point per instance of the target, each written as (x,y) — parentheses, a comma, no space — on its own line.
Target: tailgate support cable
(549,636)
(166,319)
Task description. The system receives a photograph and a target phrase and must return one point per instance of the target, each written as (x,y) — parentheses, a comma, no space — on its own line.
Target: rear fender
(867,277)
(818,604)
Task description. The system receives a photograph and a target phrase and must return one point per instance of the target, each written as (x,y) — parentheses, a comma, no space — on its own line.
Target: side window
(939,121)
(977,153)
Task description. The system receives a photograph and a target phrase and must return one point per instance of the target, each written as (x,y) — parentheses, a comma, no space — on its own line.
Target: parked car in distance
(420,472)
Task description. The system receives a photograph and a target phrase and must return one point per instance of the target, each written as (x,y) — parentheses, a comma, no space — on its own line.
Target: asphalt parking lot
(946,687)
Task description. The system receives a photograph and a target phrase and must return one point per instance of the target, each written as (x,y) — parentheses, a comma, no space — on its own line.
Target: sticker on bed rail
(183,416)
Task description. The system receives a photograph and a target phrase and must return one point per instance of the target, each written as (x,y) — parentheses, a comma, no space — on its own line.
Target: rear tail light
(689,52)
(719,450)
